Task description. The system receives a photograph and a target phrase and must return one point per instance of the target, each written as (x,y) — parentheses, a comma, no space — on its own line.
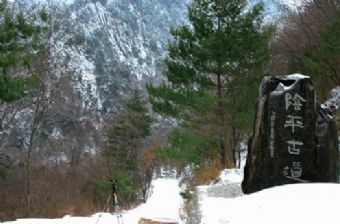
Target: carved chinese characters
(294,140)
(295,101)
(294,122)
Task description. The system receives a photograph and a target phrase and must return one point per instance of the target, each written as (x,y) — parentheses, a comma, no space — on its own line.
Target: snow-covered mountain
(108,48)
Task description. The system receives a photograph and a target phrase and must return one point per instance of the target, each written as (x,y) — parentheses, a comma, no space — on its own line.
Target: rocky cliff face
(108,48)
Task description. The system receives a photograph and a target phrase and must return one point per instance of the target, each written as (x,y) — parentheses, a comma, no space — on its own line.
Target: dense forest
(199,115)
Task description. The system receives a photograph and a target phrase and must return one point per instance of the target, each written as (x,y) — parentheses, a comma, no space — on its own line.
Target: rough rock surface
(294,140)
(150,221)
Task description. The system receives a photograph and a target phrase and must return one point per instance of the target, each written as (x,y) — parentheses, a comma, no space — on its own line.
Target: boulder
(294,139)
(156,221)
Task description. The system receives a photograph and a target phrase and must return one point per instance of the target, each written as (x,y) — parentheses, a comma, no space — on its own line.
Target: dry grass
(208,172)
(55,192)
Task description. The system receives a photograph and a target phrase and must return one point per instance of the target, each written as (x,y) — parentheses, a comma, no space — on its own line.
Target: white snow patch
(91,150)
(73,16)
(232,175)
(56,134)
(294,4)
(143,52)
(131,8)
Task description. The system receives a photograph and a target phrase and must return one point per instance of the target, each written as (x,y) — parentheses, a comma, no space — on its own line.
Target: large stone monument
(294,139)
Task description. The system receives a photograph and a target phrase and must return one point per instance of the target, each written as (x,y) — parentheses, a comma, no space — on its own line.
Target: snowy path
(164,203)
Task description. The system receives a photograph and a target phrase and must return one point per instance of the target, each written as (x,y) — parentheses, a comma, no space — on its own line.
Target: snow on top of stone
(282,87)
(295,76)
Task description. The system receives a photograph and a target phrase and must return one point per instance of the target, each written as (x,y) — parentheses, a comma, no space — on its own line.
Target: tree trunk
(235,141)
(227,156)
(39,110)
(28,184)
(239,158)
(28,169)
(221,121)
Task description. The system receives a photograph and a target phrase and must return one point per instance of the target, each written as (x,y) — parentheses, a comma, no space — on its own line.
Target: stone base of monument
(156,221)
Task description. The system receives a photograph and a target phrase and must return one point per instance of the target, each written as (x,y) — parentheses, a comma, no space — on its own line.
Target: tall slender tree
(224,41)
(130,127)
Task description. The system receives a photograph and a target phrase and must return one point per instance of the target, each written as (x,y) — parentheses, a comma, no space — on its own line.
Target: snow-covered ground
(224,203)
(165,203)
(290,204)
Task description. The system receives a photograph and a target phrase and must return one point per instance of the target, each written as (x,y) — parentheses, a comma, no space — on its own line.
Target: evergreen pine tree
(21,41)
(224,42)
(132,125)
